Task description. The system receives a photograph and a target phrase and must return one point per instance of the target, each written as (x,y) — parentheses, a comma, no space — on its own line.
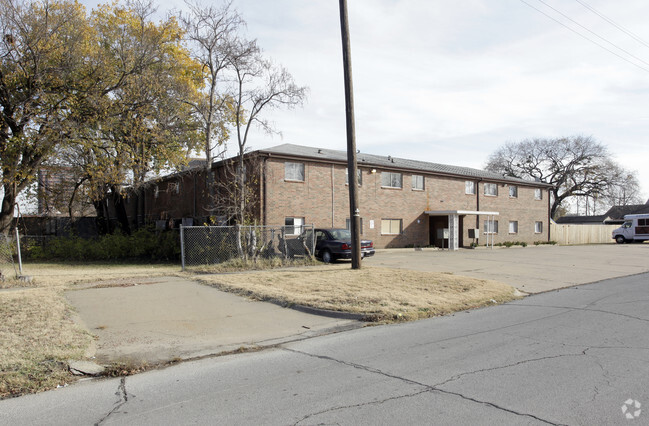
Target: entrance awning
(459,212)
(454,224)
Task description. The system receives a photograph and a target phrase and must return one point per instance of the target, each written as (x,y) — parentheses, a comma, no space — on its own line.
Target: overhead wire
(587,38)
(616,25)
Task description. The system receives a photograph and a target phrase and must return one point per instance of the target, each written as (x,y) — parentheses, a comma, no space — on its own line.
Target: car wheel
(620,239)
(326,256)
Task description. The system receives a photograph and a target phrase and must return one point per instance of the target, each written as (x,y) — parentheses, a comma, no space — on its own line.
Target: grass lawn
(39,331)
(381,294)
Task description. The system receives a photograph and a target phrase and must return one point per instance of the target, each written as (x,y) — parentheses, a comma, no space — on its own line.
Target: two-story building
(402,202)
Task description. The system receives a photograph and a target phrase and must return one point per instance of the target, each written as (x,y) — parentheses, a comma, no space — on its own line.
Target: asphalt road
(573,356)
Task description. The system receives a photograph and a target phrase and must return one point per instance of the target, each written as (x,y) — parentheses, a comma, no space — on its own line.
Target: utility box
(474,233)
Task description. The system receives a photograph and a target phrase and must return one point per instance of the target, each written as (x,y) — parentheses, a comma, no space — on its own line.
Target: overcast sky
(451,81)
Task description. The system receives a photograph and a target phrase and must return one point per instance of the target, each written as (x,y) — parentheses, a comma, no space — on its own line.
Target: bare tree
(212,33)
(576,166)
(260,86)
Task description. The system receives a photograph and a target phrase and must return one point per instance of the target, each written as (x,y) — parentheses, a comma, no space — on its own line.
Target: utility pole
(354,212)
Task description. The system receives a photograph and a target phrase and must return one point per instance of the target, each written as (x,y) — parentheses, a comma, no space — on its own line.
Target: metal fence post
(20,259)
(182,246)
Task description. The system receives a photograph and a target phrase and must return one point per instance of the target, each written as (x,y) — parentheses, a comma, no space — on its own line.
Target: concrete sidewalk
(531,269)
(162,319)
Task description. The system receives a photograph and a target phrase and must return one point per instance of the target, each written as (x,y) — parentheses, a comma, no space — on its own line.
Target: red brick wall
(323,199)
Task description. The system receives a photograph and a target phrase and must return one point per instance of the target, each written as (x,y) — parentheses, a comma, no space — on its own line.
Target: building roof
(389,162)
(618,212)
(581,220)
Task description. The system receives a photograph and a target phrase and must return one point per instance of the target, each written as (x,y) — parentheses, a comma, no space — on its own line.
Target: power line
(610,21)
(594,33)
(588,39)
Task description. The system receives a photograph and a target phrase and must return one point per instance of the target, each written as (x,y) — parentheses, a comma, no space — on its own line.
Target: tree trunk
(103,224)
(120,211)
(8,205)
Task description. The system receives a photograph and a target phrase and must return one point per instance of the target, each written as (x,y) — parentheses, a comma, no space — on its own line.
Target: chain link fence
(7,265)
(208,245)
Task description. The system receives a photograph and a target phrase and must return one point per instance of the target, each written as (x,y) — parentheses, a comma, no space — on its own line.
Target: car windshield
(341,234)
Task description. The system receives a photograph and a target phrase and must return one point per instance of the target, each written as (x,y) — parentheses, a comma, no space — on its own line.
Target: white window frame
(294,172)
(513,227)
(513,191)
(392,176)
(490,227)
(359,175)
(415,182)
(391,225)
(294,225)
(494,186)
(469,187)
(538,194)
(538,227)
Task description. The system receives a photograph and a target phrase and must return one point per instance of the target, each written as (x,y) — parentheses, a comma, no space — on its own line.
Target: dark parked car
(332,244)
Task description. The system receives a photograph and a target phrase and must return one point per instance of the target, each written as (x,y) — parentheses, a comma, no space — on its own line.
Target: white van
(635,228)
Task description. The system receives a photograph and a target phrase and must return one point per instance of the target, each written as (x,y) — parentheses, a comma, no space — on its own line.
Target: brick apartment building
(402,202)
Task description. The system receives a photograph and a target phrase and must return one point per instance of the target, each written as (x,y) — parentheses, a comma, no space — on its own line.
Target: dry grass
(38,336)
(59,274)
(37,332)
(381,294)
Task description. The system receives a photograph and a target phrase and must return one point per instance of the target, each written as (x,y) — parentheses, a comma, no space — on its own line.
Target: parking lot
(531,269)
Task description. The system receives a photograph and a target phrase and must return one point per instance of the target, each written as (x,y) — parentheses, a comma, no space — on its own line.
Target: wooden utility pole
(354,212)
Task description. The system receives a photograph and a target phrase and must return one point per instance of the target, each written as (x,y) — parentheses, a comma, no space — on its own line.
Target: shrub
(144,244)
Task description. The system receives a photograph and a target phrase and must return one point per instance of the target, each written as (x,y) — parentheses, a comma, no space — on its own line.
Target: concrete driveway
(531,269)
(161,319)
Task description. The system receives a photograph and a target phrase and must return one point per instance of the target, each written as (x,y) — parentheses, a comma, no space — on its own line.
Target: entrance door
(436,226)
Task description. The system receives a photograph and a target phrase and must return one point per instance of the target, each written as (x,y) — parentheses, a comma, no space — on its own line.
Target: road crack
(572,308)
(525,361)
(426,389)
(122,396)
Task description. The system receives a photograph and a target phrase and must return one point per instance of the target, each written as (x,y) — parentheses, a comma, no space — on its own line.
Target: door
(436,226)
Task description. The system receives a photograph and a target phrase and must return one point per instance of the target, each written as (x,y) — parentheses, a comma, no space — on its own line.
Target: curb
(320,312)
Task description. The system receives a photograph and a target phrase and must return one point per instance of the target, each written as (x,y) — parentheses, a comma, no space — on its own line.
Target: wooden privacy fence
(581,234)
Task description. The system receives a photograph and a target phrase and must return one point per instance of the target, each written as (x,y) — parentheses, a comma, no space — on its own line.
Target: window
(156,191)
(391,180)
(390,226)
(348,224)
(538,194)
(491,189)
(418,182)
(513,191)
(469,187)
(174,187)
(294,171)
(294,225)
(538,227)
(359,177)
(643,222)
(490,227)
(513,227)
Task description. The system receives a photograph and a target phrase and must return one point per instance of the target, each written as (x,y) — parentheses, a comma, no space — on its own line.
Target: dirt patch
(382,294)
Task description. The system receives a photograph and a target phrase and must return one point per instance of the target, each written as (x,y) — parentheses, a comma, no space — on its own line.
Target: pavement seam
(427,388)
